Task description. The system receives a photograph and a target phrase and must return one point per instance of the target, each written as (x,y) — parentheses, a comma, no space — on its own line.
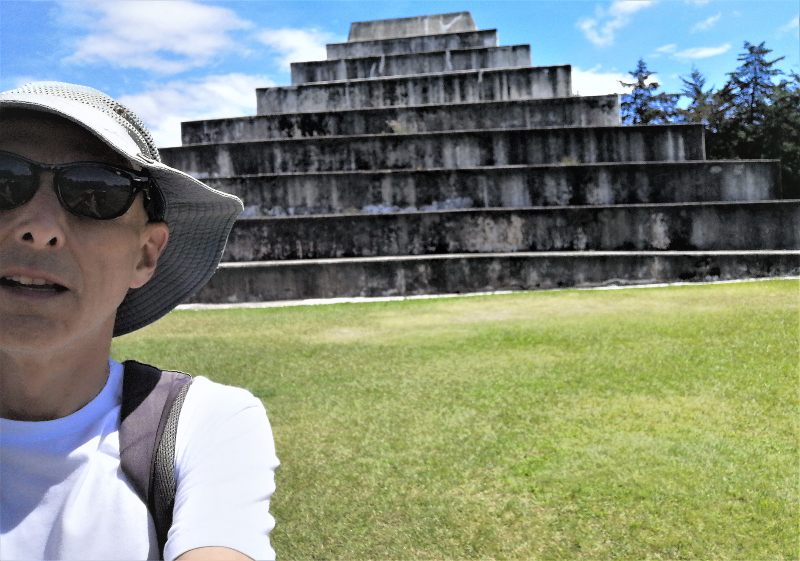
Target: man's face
(88,265)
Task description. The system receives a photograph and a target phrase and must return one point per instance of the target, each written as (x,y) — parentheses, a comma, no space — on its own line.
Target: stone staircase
(423,158)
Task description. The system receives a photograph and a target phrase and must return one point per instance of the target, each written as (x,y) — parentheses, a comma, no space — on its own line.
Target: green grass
(633,424)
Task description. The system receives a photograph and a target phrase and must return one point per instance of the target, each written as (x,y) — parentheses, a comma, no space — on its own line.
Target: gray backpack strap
(151,404)
(163,484)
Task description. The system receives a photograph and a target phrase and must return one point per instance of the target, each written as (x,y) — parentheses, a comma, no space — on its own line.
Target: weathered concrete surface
(407,64)
(470,86)
(684,226)
(448,274)
(570,111)
(520,186)
(418,44)
(536,189)
(459,149)
(407,27)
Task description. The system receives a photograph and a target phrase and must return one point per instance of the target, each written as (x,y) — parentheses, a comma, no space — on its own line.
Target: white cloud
(706,24)
(698,2)
(166,37)
(162,108)
(594,82)
(297,45)
(601,28)
(689,54)
(665,50)
(793,25)
(701,52)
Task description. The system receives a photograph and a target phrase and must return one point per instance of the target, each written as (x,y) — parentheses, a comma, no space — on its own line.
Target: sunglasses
(86,189)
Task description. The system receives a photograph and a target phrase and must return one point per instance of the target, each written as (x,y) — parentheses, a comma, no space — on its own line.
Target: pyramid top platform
(410,27)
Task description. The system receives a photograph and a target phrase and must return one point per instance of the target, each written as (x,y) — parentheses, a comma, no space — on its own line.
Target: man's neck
(52,385)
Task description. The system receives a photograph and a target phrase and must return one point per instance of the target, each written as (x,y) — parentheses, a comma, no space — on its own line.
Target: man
(98,239)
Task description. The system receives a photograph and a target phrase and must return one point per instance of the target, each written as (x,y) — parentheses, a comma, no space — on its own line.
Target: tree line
(749,117)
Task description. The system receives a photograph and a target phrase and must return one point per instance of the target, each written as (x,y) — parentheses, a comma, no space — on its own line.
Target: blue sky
(172,61)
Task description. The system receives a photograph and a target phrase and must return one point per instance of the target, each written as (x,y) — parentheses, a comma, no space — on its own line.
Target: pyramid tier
(416,44)
(532,82)
(411,63)
(682,226)
(571,111)
(510,186)
(423,158)
(460,273)
(459,149)
(430,24)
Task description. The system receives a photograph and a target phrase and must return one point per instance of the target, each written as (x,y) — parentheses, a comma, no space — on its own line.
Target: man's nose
(40,223)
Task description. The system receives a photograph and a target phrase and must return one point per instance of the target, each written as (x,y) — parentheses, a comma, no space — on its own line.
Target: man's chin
(36,335)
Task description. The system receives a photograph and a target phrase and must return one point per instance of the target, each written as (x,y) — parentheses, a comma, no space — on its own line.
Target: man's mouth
(30,283)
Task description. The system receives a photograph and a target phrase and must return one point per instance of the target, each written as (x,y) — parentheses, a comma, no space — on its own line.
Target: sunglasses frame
(140,181)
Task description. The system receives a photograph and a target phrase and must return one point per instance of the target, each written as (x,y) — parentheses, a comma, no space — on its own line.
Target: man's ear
(153,241)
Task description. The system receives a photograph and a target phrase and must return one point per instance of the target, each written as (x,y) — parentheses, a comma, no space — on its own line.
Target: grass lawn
(654,423)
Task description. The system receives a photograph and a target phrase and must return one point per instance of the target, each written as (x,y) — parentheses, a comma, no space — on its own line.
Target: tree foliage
(752,83)
(749,117)
(643,106)
(780,133)
(701,101)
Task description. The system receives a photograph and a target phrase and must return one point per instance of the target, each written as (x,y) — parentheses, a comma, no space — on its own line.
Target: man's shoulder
(221,396)
(203,391)
(206,403)
(214,407)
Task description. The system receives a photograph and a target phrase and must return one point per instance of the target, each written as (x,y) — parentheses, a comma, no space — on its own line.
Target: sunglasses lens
(96,192)
(18,183)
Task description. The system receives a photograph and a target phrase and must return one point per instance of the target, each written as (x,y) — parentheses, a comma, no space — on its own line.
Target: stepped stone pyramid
(422,158)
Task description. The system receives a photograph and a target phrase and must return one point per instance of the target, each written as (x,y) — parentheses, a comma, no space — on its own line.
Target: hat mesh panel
(97,99)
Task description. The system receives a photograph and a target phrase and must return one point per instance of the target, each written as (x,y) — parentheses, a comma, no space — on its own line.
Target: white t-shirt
(63,494)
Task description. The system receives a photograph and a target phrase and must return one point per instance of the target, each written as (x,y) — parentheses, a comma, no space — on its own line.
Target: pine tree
(752,83)
(701,102)
(643,106)
(722,129)
(780,133)
(750,117)
(753,118)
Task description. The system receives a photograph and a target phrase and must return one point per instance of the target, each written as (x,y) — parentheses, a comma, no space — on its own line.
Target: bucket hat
(199,218)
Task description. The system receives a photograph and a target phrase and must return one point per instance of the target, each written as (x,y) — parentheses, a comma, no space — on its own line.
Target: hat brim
(199,218)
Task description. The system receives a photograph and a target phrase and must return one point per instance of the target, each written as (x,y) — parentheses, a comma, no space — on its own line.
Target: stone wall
(448,274)
(413,63)
(414,44)
(438,161)
(519,114)
(406,91)
(407,27)
(678,226)
(510,186)
(445,149)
